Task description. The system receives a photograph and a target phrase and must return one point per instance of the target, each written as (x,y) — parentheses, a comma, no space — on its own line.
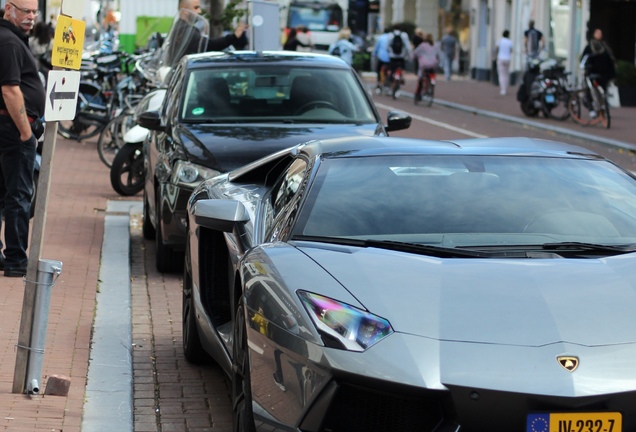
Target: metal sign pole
(35,248)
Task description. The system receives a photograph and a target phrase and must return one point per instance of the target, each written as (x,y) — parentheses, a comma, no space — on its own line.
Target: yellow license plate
(575,422)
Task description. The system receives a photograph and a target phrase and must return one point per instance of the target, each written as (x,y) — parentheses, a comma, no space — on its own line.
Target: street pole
(24,346)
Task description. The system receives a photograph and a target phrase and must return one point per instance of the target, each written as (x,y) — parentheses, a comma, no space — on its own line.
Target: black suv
(223,110)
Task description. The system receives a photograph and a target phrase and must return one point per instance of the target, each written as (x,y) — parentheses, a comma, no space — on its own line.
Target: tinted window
(472,200)
(281,207)
(265,93)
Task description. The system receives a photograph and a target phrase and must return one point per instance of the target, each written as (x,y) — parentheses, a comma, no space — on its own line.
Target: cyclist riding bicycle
(399,48)
(599,62)
(427,59)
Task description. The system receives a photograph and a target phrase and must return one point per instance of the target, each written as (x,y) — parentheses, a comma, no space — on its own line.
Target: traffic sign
(62,88)
(68,43)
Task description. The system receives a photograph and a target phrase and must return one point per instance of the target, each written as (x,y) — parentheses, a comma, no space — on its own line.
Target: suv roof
(296,57)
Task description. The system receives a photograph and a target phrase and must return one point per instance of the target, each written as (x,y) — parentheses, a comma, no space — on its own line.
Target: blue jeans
(17,161)
(448,66)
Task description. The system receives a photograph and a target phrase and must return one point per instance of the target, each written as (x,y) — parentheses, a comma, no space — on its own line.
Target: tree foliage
(222,18)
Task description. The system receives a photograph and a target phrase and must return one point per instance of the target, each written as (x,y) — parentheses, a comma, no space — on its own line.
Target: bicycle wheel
(395,89)
(429,95)
(578,107)
(111,139)
(604,116)
(417,97)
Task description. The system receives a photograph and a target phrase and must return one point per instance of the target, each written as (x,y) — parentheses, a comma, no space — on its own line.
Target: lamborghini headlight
(189,175)
(344,326)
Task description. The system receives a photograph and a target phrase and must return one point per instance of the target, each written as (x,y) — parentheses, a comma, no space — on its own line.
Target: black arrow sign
(60,95)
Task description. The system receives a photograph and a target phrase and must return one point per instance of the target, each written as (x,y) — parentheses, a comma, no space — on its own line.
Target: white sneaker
(592,114)
(502,92)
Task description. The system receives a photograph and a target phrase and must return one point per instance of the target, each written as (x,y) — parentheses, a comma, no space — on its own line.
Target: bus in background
(323,18)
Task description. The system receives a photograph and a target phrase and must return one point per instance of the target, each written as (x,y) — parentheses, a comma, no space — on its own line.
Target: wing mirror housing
(151,120)
(220,215)
(398,120)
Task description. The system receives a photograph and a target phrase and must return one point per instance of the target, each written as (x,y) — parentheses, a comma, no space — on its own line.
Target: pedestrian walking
(504,56)
(343,47)
(533,42)
(449,45)
(292,43)
(303,36)
(21,107)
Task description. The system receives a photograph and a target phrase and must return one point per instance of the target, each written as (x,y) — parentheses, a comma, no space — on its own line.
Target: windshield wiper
(589,247)
(422,249)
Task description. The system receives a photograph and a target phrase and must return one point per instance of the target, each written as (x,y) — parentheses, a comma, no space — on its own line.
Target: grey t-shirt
(448,45)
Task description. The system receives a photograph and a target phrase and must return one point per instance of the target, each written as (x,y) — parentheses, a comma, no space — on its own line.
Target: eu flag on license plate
(538,423)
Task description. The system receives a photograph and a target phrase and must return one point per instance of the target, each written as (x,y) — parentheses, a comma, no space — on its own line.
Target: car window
(264,93)
(486,200)
(173,94)
(280,206)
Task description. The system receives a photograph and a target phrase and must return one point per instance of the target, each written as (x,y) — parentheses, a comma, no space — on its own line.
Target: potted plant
(626,82)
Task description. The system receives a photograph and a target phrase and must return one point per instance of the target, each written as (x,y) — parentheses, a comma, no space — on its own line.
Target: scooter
(544,90)
(127,172)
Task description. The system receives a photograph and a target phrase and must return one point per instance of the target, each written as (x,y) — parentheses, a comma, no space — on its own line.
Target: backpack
(397,44)
(336,51)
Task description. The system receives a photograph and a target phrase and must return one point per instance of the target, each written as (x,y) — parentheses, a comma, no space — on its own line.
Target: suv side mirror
(397,120)
(151,120)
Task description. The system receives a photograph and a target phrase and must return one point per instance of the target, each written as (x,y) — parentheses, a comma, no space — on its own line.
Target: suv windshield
(263,93)
(455,201)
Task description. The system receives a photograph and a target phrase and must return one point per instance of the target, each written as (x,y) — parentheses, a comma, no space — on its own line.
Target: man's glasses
(25,11)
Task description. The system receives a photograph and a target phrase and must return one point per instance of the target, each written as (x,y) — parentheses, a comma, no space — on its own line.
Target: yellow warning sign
(68,42)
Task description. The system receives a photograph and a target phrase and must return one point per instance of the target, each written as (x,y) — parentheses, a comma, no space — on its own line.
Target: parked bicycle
(111,137)
(426,85)
(588,104)
(108,87)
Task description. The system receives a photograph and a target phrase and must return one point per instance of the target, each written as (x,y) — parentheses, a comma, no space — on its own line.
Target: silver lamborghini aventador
(391,284)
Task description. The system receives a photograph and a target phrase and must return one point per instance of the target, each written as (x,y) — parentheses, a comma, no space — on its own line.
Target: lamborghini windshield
(464,201)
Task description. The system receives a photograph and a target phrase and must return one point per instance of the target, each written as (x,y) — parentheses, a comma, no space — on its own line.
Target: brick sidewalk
(168,393)
(78,194)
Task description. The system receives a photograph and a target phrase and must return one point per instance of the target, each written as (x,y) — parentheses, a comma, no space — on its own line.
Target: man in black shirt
(533,42)
(236,39)
(21,104)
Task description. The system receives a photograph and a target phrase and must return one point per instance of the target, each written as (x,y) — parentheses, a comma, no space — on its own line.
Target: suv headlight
(189,175)
(343,326)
